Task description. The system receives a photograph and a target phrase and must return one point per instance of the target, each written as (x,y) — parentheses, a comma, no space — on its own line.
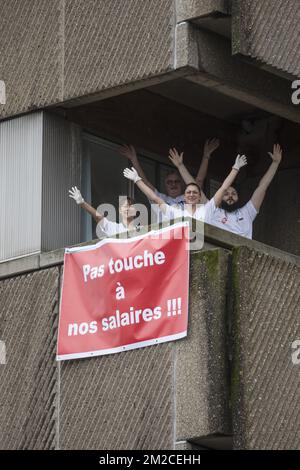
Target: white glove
(131,174)
(240,161)
(75,194)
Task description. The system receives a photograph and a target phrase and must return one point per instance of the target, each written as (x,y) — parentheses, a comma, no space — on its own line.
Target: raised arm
(75,194)
(129,152)
(149,193)
(209,147)
(239,163)
(260,192)
(177,160)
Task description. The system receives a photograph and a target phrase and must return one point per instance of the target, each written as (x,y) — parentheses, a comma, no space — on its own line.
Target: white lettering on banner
(92,272)
(82,328)
(136,262)
(123,264)
(122,319)
(120,292)
(130,318)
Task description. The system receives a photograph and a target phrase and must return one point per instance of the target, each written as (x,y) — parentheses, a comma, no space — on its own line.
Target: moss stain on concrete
(211,259)
(235,314)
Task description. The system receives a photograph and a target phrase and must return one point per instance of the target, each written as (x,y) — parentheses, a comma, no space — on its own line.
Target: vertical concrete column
(266,323)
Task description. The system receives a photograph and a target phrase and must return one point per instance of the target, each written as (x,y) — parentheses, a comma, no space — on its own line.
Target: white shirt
(239,221)
(173,212)
(171,201)
(110,228)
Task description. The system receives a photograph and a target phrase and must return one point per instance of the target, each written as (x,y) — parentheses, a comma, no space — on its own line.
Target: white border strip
(127,347)
(127,240)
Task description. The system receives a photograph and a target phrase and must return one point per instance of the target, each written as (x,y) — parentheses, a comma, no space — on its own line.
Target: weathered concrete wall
(161,396)
(188,10)
(28,381)
(111,43)
(201,378)
(230,75)
(135,400)
(31,55)
(121,401)
(149,398)
(54,51)
(71,51)
(265,382)
(269,32)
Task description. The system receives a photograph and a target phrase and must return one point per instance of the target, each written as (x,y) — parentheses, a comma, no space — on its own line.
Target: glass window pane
(107,182)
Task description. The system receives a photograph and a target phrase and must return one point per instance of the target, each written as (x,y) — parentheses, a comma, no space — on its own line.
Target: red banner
(124,294)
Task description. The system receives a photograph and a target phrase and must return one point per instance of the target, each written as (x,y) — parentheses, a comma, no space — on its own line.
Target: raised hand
(210,146)
(175,157)
(240,161)
(277,153)
(75,194)
(131,175)
(129,152)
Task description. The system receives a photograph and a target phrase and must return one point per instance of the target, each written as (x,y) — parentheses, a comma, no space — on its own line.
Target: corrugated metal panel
(61,170)
(268,31)
(20,186)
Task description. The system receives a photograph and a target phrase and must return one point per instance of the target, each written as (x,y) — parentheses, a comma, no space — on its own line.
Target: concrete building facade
(82,77)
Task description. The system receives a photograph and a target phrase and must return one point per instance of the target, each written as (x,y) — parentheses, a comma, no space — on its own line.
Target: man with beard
(192,194)
(224,211)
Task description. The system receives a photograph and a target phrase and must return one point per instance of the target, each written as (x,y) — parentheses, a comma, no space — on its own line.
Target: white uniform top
(239,221)
(113,228)
(171,201)
(172,212)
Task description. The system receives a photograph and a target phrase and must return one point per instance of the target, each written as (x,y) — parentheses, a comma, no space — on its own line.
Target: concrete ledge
(213,238)
(188,10)
(229,240)
(19,265)
(186,50)
(233,77)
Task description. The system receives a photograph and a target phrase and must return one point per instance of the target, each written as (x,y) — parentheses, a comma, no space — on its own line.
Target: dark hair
(236,187)
(129,199)
(131,202)
(192,184)
(172,172)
